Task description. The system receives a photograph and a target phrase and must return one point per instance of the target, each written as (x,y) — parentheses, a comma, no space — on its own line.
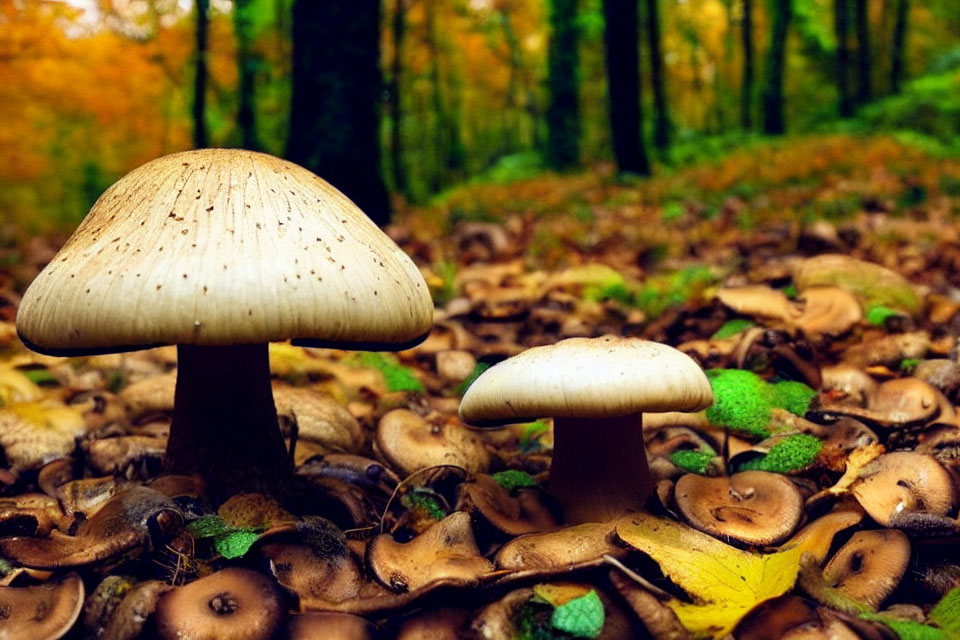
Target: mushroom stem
(599,470)
(225,423)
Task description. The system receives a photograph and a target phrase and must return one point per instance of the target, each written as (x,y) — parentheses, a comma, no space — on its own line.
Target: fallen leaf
(724,582)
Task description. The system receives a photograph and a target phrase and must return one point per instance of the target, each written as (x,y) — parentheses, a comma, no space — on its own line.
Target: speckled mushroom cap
(218,247)
(587,378)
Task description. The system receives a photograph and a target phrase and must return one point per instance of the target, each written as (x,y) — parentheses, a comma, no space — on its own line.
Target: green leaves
(581,617)
(732,328)
(397,376)
(229,542)
(512,479)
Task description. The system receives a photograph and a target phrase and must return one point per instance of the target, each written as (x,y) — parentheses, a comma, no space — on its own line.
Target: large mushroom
(220,251)
(596,389)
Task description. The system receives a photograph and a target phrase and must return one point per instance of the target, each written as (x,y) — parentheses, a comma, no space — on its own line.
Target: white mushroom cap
(587,378)
(218,247)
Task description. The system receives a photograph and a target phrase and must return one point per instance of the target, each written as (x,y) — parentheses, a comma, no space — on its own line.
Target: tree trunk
(774,121)
(661,117)
(334,120)
(746,83)
(898,46)
(400,182)
(246,73)
(448,147)
(864,62)
(563,65)
(623,81)
(200,139)
(841,25)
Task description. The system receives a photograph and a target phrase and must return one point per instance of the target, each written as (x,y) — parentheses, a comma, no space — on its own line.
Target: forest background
(465,90)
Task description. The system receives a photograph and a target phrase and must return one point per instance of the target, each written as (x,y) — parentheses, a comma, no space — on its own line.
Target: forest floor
(826,268)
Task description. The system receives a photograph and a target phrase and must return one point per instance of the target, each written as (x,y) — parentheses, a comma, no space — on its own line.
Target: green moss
(532,621)
(790,454)
(396,376)
(946,613)
(611,286)
(790,291)
(663,291)
(907,365)
(793,396)
(530,438)
(470,379)
(740,401)
(743,402)
(418,499)
(732,328)
(512,479)
(692,460)
(877,314)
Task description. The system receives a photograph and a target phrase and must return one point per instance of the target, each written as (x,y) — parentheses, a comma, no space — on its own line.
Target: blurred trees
(470,87)
(334,115)
(563,69)
(623,79)
(661,118)
(202,18)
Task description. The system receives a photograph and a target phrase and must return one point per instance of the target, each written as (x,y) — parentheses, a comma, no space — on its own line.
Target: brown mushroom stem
(225,423)
(599,470)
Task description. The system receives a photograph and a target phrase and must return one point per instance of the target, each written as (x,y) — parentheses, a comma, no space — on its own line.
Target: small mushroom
(455,366)
(756,300)
(150,399)
(596,389)
(446,552)
(825,311)
(562,550)
(753,507)
(232,604)
(894,403)
(904,481)
(844,383)
(131,520)
(319,419)
(329,625)
(409,443)
(513,516)
(870,565)
(888,350)
(126,454)
(42,612)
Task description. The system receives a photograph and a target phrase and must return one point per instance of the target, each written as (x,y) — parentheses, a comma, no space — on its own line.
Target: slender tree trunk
(511,132)
(200,139)
(334,120)
(746,83)
(563,63)
(661,117)
(623,80)
(246,72)
(899,45)
(864,62)
(400,181)
(841,25)
(774,121)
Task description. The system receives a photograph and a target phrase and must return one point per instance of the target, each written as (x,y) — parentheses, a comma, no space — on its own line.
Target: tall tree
(622,62)
(246,73)
(661,117)
(398,168)
(563,68)
(200,138)
(898,46)
(746,81)
(773,99)
(448,145)
(334,119)
(864,61)
(841,28)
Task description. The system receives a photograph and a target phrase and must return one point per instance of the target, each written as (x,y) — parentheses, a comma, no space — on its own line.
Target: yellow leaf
(560,593)
(16,387)
(724,582)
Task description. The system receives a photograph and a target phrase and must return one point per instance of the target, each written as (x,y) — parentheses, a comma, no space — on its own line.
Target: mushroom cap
(755,507)
(408,442)
(870,565)
(904,481)
(587,378)
(42,612)
(232,604)
(219,247)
